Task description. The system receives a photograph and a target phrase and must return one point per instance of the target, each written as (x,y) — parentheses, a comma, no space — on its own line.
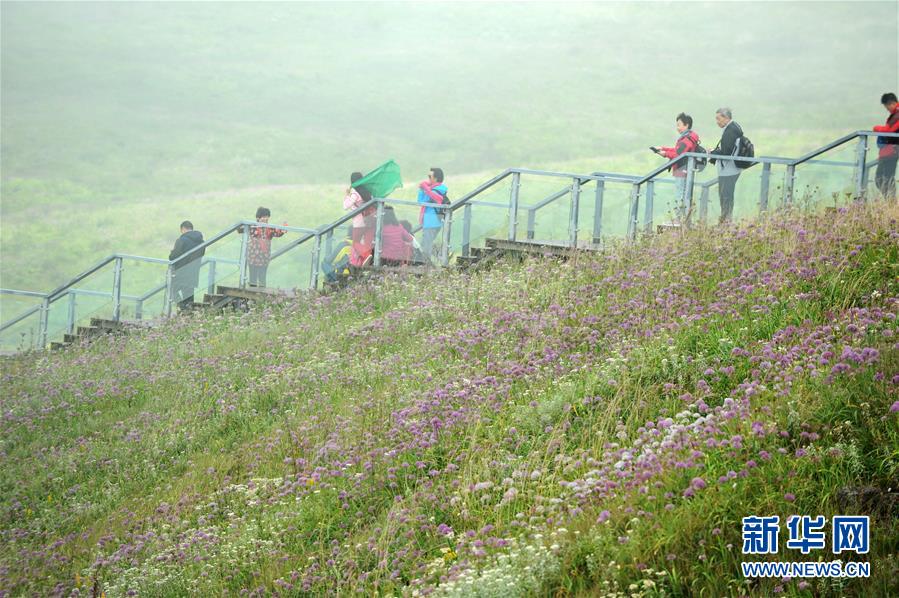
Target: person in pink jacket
(396,242)
(363,223)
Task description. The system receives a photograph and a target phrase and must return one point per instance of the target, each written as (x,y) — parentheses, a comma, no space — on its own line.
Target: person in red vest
(687,141)
(885,176)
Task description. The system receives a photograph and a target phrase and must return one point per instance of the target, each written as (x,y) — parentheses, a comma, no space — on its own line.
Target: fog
(138,98)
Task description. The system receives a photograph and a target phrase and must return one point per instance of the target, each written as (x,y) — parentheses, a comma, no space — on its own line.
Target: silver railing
(320,239)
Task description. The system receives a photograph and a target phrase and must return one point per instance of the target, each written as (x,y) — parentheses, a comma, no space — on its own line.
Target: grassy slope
(537,428)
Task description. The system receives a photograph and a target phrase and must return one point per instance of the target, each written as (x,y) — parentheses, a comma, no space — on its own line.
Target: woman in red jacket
(885,176)
(687,141)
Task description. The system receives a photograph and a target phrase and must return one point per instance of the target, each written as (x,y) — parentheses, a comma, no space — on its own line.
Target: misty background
(121,119)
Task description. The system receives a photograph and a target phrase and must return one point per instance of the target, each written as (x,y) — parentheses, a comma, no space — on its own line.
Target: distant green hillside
(119,100)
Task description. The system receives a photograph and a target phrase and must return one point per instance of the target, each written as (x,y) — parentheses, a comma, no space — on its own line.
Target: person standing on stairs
(186,271)
(687,141)
(363,223)
(728,171)
(432,190)
(259,251)
(885,176)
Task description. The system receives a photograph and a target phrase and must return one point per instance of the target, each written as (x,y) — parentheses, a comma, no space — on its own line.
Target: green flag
(382,180)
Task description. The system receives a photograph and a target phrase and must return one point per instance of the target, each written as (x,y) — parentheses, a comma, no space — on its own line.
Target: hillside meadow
(597,426)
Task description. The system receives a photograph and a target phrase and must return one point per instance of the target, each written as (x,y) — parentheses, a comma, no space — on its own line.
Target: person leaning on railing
(259,250)
(885,176)
(728,172)
(687,141)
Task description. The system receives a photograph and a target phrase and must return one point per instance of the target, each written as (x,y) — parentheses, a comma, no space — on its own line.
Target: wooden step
(90,331)
(250,292)
(409,270)
(554,248)
(55,346)
(106,324)
(668,227)
(69,338)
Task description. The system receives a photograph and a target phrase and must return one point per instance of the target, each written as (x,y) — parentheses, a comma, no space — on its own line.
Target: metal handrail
(22,293)
(464,203)
(20,317)
(770,159)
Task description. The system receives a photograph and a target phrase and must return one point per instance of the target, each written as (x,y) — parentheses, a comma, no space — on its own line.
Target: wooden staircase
(98,327)
(484,257)
(237,298)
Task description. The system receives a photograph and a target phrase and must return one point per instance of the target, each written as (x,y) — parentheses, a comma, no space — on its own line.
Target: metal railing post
(379,233)
(687,200)
(532,223)
(633,210)
(316,250)
(466,230)
(763,191)
(169,290)
(513,205)
(329,242)
(138,309)
(447,235)
(44,323)
(242,263)
(648,208)
(573,212)
(704,204)
(861,176)
(597,212)
(70,316)
(117,290)
(210,279)
(789,180)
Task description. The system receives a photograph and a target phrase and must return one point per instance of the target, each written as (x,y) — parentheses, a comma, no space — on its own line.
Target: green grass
(533,370)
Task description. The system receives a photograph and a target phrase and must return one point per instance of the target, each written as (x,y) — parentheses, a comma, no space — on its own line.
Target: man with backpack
(885,176)
(687,141)
(432,190)
(728,170)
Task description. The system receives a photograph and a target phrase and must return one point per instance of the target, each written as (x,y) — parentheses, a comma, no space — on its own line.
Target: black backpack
(747,150)
(446,202)
(700,162)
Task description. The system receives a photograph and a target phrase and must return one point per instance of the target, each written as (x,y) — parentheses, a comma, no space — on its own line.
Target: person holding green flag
(363,222)
(380,182)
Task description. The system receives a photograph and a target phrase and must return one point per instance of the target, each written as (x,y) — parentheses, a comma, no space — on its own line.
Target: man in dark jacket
(186,271)
(885,177)
(728,172)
